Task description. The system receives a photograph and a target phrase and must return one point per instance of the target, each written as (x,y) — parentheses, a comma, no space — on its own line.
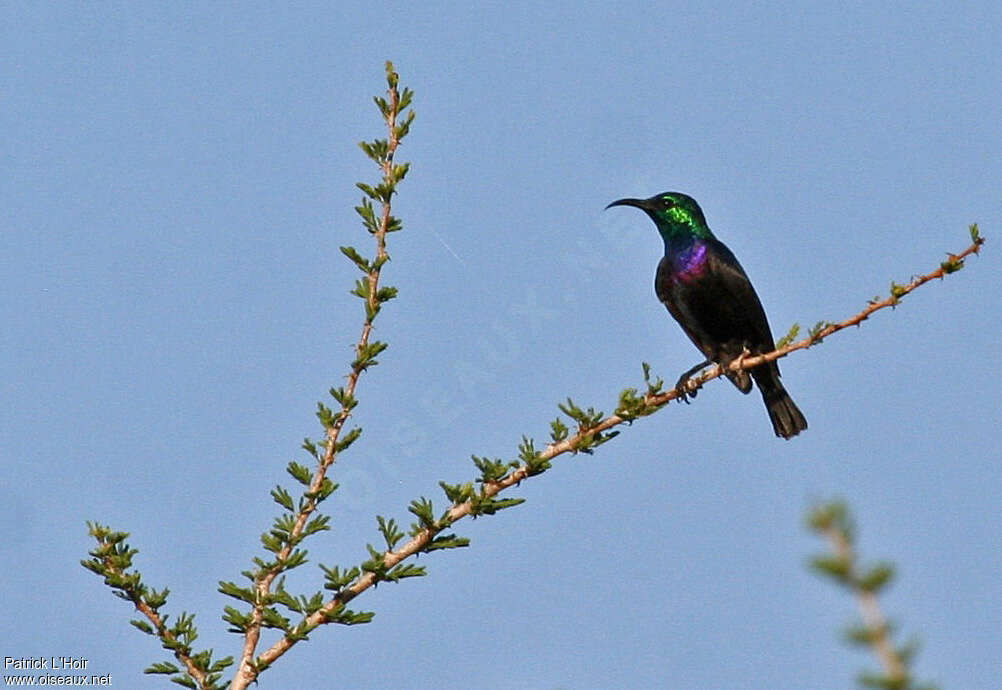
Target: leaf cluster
(297,522)
(833,521)
(112,559)
(588,436)
(790,336)
(632,404)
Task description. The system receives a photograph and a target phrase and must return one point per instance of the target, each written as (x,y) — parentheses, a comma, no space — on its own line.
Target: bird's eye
(667,202)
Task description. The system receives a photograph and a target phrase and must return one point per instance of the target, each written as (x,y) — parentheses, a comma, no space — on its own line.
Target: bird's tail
(787,419)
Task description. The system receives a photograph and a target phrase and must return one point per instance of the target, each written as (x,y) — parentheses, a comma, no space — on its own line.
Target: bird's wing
(740,307)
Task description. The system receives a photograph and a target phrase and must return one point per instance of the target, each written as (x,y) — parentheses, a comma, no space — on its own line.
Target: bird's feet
(684,388)
(740,359)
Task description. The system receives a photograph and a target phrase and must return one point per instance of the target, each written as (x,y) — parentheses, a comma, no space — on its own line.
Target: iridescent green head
(674,213)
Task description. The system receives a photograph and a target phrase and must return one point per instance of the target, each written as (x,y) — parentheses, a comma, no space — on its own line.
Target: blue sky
(180,176)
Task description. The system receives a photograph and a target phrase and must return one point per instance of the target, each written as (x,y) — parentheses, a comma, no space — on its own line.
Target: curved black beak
(639,203)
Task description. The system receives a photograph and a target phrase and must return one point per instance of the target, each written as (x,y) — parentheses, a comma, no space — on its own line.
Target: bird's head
(672,212)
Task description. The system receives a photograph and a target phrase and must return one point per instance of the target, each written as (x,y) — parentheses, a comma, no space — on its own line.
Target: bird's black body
(706,290)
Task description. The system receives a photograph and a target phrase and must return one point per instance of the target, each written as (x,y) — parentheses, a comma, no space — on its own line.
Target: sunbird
(705,289)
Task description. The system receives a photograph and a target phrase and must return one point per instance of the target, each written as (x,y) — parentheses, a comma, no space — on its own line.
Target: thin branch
(112,559)
(250,668)
(171,641)
(953,263)
(869,607)
(832,521)
(585,436)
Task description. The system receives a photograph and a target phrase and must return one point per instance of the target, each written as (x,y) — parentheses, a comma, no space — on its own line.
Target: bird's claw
(745,352)
(682,389)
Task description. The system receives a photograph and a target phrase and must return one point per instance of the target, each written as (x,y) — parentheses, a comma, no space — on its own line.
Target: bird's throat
(688,260)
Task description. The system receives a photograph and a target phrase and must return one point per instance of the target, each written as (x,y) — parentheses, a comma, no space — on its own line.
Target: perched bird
(708,293)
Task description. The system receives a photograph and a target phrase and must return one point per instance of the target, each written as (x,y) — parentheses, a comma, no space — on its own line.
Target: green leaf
(270,618)
(327,487)
(368,215)
(597,438)
(833,566)
(357,259)
(863,636)
(952,265)
(163,667)
(391,533)
(337,580)
(534,461)
(458,493)
(318,523)
(423,510)
(404,128)
(391,76)
(232,590)
(366,355)
(880,681)
(876,578)
(403,570)
(405,99)
(282,498)
(155,599)
(371,191)
(446,541)
(239,621)
(377,150)
(311,605)
(815,332)
(632,405)
(653,387)
(300,473)
(375,564)
(142,626)
(790,336)
(492,470)
(361,288)
(385,294)
(325,415)
(490,506)
(345,399)
(348,617)
(222,664)
(393,224)
(348,439)
(585,418)
(833,515)
(571,410)
(558,431)
(399,172)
